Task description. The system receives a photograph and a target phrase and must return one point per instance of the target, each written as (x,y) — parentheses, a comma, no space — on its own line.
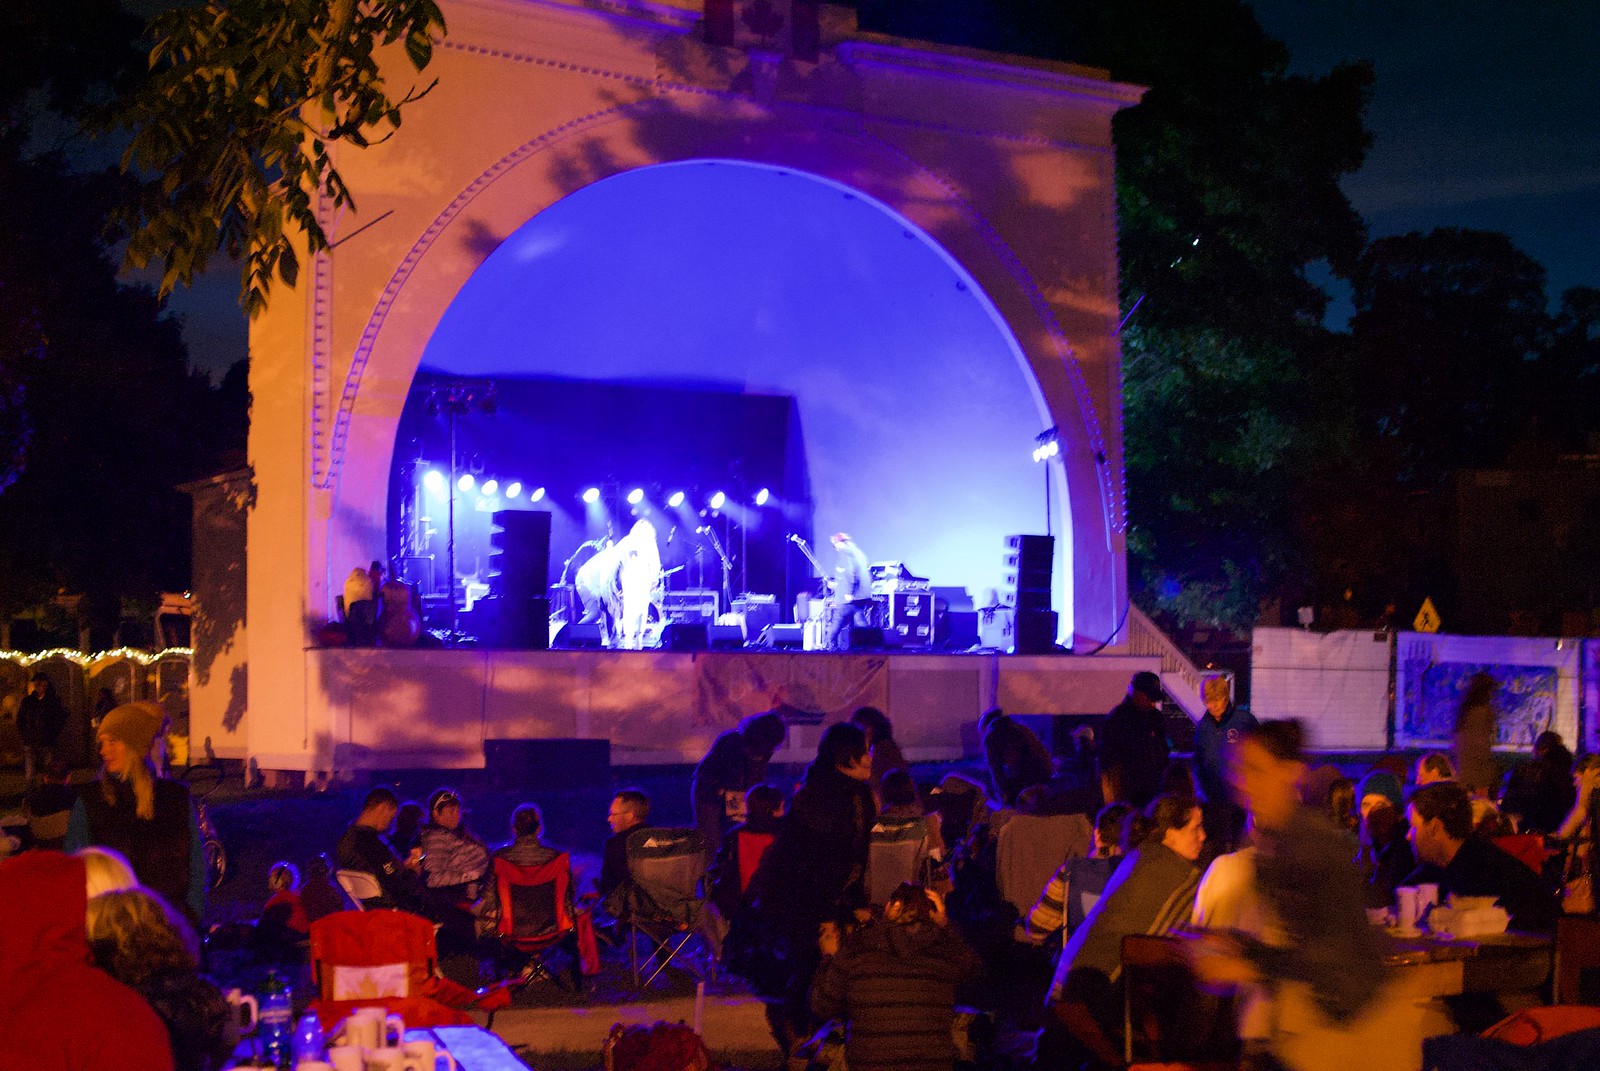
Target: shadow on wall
(221,510)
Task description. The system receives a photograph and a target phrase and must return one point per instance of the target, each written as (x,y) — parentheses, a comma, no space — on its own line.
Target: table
(474,1048)
(1487,964)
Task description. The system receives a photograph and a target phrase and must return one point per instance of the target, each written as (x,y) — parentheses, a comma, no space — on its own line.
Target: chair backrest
(664,869)
(752,849)
(1577,966)
(359,886)
(1167,1017)
(1526,848)
(1086,881)
(534,900)
(898,853)
(357,955)
(1032,847)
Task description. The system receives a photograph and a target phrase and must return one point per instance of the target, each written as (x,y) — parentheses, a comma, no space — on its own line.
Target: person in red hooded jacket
(57,1013)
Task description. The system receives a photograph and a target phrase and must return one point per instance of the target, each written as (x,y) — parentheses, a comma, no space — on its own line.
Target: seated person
(1540,791)
(743,846)
(894,984)
(1385,857)
(525,849)
(139,940)
(319,896)
(1077,884)
(363,848)
(901,800)
(629,810)
(48,806)
(283,918)
(1441,832)
(1151,892)
(454,862)
(407,831)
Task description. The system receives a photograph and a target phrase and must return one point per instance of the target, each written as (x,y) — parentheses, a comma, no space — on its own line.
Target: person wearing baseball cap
(1134,749)
(149,819)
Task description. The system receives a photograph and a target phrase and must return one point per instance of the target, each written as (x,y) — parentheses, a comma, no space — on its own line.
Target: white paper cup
(346,1057)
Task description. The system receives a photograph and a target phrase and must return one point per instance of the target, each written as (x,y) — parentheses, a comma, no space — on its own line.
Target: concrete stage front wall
(1006,164)
(435,709)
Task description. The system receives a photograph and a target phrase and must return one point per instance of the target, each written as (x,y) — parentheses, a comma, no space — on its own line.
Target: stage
(435,709)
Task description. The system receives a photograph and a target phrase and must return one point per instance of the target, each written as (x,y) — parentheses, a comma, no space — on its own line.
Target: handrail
(1146,638)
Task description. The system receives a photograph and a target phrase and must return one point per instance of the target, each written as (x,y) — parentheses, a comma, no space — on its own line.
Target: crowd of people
(1272,869)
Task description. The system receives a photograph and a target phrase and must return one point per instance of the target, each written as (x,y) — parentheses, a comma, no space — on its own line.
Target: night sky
(1486,114)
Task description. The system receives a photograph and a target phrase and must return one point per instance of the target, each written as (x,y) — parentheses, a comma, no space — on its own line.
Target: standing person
(40,719)
(598,586)
(149,819)
(881,746)
(1134,750)
(59,1012)
(737,762)
(1328,965)
(894,985)
(1016,756)
(816,868)
(454,862)
(1474,734)
(1219,731)
(852,591)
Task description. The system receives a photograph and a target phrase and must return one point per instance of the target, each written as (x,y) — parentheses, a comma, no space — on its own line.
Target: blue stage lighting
(491,486)
(514,489)
(435,481)
(762,496)
(676,500)
(466,483)
(636,496)
(537,495)
(718,500)
(592,495)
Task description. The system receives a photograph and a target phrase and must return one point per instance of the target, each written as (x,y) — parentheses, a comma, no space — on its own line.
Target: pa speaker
(1036,632)
(726,637)
(685,636)
(783,637)
(519,553)
(863,638)
(513,624)
(576,636)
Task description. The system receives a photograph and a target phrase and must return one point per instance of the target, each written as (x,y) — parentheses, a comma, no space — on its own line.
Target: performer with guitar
(852,591)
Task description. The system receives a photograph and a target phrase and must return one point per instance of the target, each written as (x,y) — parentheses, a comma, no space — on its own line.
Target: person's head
(125,736)
(1342,803)
(763,803)
(1585,767)
(1178,779)
(319,869)
(444,808)
(899,790)
(1135,830)
(840,539)
(1380,787)
(1487,821)
(1441,818)
(1218,695)
(1378,823)
(39,684)
(1145,688)
(1175,822)
(874,722)
(1108,828)
(134,934)
(526,821)
(378,809)
(762,734)
(908,905)
(407,818)
(843,747)
(1434,767)
(1549,747)
(105,871)
(55,772)
(992,717)
(629,808)
(283,875)
(1265,768)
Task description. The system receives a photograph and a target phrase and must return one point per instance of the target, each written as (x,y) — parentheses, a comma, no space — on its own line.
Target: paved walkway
(734,1028)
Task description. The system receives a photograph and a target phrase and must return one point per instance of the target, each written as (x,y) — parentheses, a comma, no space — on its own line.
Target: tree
(235,123)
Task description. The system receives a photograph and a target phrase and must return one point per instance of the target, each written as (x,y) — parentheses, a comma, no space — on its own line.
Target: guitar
(399,624)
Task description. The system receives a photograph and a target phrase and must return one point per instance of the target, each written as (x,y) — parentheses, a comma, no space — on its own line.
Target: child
(743,846)
(283,918)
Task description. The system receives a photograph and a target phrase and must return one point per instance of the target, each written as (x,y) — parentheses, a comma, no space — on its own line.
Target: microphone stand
(727,566)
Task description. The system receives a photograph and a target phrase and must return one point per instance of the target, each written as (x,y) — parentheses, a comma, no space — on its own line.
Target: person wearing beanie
(149,819)
(1380,786)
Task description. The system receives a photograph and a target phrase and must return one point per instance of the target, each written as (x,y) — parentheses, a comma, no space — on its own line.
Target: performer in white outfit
(637,577)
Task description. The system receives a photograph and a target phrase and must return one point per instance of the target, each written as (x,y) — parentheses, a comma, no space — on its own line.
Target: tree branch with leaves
(235,125)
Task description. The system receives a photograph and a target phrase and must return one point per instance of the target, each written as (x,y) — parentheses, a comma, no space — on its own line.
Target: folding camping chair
(388,957)
(662,901)
(898,853)
(359,886)
(537,914)
(1168,1022)
(1029,850)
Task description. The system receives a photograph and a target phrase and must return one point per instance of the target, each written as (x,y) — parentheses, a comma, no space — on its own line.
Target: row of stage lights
(436,482)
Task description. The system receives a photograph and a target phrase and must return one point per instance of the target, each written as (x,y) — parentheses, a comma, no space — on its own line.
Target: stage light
(762,496)
(676,500)
(435,481)
(537,495)
(1047,444)
(491,486)
(514,489)
(718,500)
(592,495)
(466,483)
(636,496)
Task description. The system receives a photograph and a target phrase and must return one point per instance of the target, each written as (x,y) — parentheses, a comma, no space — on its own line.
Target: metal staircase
(1179,676)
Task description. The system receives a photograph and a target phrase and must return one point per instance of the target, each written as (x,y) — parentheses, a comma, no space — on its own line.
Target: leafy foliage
(237,121)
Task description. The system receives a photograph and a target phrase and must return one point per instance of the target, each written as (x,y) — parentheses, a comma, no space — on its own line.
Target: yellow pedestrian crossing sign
(1427,619)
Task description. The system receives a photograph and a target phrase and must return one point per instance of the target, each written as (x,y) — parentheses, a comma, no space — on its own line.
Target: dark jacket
(196,1016)
(363,848)
(1541,791)
(895,987)
(1212,738)
(57,1013)
(738,858)
(727,767)
(166,851)
(614,863)
(818,863)
(1481,869)
(40,719)
(1305,875)
(1017,757)
(1134,751)
(1385,866)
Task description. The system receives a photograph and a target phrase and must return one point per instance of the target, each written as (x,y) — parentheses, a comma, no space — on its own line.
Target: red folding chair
(537,915)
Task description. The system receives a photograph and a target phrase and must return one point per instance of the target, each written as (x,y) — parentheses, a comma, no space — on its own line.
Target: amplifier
(693,604)
(759,611)
(908,615)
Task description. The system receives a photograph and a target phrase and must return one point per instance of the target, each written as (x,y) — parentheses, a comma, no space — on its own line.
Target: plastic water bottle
(277,1022)
(308,1043)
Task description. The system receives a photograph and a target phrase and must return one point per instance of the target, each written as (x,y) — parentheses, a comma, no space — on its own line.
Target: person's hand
(828,938)
(414,860)
(939,916)
(1218,961)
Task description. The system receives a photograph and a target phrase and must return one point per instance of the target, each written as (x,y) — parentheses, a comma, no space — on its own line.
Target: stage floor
(395,709)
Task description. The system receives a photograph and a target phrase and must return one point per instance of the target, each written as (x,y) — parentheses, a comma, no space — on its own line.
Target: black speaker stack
(1030,560)
(517,608)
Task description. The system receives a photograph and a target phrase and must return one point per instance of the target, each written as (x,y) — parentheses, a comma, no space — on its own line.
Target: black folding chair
(662,902)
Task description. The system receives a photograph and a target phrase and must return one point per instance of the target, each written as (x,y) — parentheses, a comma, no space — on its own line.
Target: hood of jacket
(45,901)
